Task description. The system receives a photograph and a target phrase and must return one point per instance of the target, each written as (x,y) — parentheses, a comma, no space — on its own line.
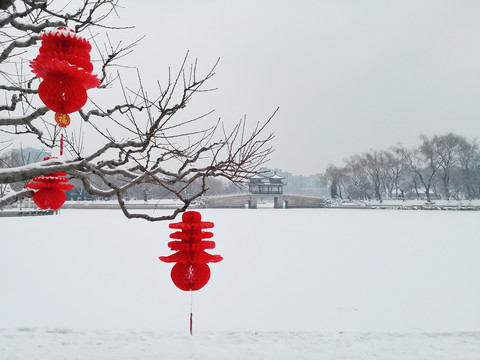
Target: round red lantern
(62,94)
(190,276)
(49,198)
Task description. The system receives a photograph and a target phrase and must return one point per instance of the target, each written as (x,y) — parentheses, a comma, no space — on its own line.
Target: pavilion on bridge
(266,185)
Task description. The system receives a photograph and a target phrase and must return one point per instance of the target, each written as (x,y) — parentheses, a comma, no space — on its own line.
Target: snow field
(296,281)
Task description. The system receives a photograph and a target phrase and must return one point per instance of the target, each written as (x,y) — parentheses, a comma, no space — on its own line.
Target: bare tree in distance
(336,176)
(141,137)
(361,188)
(447,149)
(423,164)
(469,159)
(441,166)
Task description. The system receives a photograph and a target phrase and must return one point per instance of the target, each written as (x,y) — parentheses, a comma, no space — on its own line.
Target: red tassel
(191,324)
(61,145)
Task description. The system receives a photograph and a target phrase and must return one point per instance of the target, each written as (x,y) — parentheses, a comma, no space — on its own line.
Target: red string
(191,312)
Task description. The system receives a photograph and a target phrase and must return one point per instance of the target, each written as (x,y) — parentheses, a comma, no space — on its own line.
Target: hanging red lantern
(65,67)
(50,190)
(191,271)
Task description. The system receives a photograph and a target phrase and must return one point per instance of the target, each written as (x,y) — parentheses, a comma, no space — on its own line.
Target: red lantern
(65,67)
(191,271)
(50,190)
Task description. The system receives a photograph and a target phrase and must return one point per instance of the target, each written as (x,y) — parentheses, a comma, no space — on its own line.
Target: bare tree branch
(142,139)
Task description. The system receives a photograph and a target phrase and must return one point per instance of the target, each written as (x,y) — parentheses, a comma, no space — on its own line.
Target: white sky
(348,76)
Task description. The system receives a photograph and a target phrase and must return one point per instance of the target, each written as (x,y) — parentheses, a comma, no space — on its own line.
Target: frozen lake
(284,271)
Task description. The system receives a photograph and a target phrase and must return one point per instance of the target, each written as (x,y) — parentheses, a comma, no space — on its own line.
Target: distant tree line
(440,167)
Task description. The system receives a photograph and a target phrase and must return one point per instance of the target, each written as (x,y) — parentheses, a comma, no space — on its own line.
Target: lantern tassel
(191,324)
(61,145)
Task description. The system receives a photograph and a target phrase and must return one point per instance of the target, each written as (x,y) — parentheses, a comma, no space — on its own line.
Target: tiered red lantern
(50,190)
(191,271)
(65,67)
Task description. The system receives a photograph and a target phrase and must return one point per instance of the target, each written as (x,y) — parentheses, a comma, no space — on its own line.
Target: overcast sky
(348,76)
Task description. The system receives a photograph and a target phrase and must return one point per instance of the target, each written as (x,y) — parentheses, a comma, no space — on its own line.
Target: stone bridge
(280,201)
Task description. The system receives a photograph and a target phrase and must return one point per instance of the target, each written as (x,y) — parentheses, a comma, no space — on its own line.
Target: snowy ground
(99,345)
(296,283)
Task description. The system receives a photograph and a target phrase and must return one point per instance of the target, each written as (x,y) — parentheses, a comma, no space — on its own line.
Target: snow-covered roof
(256,176)
(275,176)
